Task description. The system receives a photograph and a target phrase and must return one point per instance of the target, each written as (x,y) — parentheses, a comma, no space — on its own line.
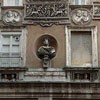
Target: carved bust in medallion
(81,16)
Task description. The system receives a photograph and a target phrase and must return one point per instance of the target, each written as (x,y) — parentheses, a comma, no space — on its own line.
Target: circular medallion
(81,16)
(11,17)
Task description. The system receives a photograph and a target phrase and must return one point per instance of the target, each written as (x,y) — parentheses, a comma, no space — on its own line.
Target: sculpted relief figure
(11,17)
(46,10)
(81,16)
(46,53)
(97,10)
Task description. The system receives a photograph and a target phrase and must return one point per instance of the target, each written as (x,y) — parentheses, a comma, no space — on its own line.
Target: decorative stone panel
(81,16)
(11,17)
(46,12)
(96,10)
(82,74)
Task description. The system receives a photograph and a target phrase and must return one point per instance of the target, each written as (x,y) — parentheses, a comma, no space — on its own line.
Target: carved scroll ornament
(81,16)
(11,17)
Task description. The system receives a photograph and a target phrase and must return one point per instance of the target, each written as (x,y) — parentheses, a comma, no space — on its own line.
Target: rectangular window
(12,2)
(10,49)
(79,2)
(81,47)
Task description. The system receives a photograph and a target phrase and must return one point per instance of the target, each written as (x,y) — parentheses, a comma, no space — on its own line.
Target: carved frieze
(11,17)
(81,16)
(46,13)
(46,10)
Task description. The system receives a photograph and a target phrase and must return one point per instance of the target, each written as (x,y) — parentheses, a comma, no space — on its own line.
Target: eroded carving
(11,17)
(46,53)
(46,12)
(81,16)
(97,10)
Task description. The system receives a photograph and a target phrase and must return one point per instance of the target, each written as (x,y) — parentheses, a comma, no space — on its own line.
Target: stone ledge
(81,68)
(14,69)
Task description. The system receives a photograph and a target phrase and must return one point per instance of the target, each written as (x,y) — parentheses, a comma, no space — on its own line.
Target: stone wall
(50,91)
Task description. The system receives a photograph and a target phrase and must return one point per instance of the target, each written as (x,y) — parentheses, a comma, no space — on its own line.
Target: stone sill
(12,7)
(14,69)
(81,68)
(81,6)
(46,82)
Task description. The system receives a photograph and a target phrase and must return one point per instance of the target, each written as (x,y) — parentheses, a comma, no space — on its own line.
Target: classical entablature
(49,12)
